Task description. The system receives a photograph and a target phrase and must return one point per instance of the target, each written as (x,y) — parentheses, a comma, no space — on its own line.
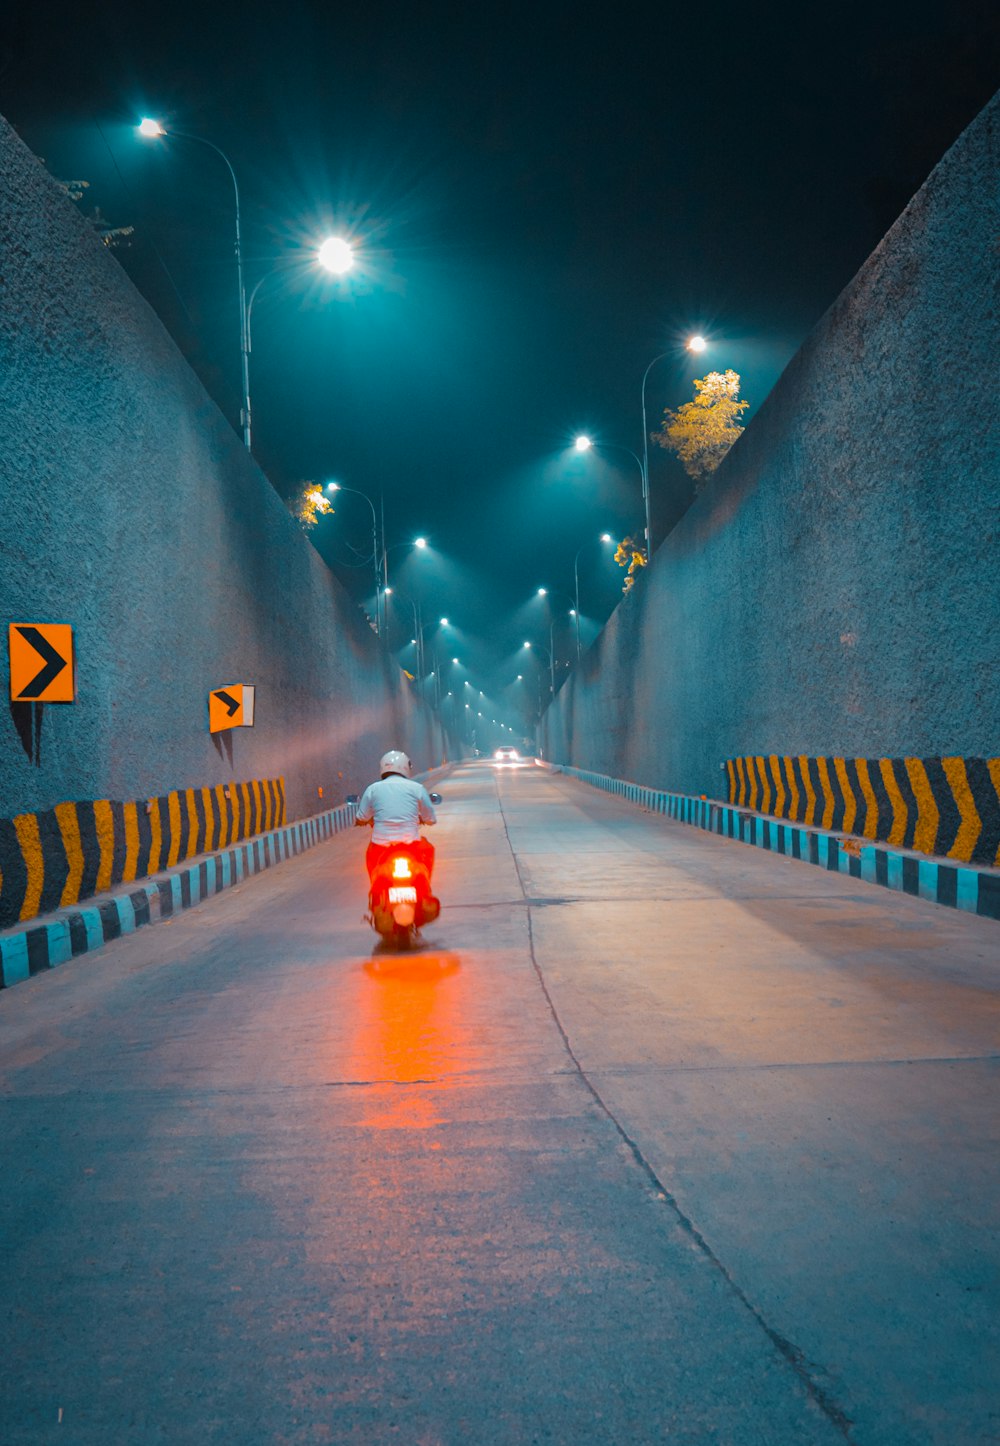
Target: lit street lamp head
(444,622)
(149,127)
(333,486)
(420,542)
(697,343)
(583,444)
(336,255)
(606,537)
(543,591)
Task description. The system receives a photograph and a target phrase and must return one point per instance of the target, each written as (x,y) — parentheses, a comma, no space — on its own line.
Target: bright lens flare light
(149,127)
(697,343)
(583,444)
(336,255)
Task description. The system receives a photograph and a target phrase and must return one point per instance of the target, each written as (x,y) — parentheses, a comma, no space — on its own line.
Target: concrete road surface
(660,1138)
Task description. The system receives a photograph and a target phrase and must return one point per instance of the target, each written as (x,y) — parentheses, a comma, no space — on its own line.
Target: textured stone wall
(835,591)
(129,508)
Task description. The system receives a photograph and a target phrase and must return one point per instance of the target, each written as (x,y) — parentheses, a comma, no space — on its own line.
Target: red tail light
(401,867)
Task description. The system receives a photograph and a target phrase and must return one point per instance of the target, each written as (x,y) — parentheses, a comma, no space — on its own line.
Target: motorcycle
(400,901)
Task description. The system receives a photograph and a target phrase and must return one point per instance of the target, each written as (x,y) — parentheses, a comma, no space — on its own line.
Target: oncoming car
(507,755)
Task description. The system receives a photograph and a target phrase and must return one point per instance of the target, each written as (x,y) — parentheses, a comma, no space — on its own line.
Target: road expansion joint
(807,1371)
(774,1065)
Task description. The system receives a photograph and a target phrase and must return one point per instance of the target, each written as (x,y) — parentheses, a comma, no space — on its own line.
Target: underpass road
(658,1138)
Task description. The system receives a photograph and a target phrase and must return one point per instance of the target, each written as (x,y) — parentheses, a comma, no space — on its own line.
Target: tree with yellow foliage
(630,554)
(702,431)
(308,504)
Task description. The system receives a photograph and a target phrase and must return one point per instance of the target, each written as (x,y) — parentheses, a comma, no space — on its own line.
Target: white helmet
(395,762)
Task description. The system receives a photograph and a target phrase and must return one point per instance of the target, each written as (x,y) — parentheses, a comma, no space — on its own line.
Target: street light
(419,542)
(549,655)
(376,560)
(284,263)
(587,444)
(336,255)
(419,630)
(605,537)
(150,128)
(693,344)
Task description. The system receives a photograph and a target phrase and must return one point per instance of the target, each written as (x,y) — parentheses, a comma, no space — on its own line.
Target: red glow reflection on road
(410,1042)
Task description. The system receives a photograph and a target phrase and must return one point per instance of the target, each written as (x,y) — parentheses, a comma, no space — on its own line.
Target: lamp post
(436,671)
(605,537)
(552,669)
(376,556)
(335,255)
(417,632)
(419,628)
(584,443)
(418,542)
(574,612)
(151,128)
(693,344)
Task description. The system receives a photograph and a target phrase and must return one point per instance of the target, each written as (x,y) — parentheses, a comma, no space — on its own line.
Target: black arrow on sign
(54,662)
(231,703)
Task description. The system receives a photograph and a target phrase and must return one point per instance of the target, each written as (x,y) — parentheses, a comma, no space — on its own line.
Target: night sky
(544,197)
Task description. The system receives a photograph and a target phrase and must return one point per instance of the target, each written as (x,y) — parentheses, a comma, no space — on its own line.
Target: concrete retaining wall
(131,510)
(835,591)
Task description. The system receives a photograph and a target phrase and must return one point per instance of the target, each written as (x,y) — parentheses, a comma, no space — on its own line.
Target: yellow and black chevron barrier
(54,859)
(944,806)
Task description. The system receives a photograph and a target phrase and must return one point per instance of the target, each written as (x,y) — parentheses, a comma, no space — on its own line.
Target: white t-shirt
(398,806)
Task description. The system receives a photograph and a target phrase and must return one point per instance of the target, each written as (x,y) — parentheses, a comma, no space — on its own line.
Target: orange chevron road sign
(41,663)
(230,707)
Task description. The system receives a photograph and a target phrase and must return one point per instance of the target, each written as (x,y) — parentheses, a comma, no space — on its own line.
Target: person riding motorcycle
(395,807)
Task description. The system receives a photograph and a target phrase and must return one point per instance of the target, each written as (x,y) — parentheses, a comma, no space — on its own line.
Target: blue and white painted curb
(80,930)
(959,886)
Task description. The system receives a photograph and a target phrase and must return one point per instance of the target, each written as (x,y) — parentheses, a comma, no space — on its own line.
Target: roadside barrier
(32,950)
(974,890)
(53,859)
(944,806)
